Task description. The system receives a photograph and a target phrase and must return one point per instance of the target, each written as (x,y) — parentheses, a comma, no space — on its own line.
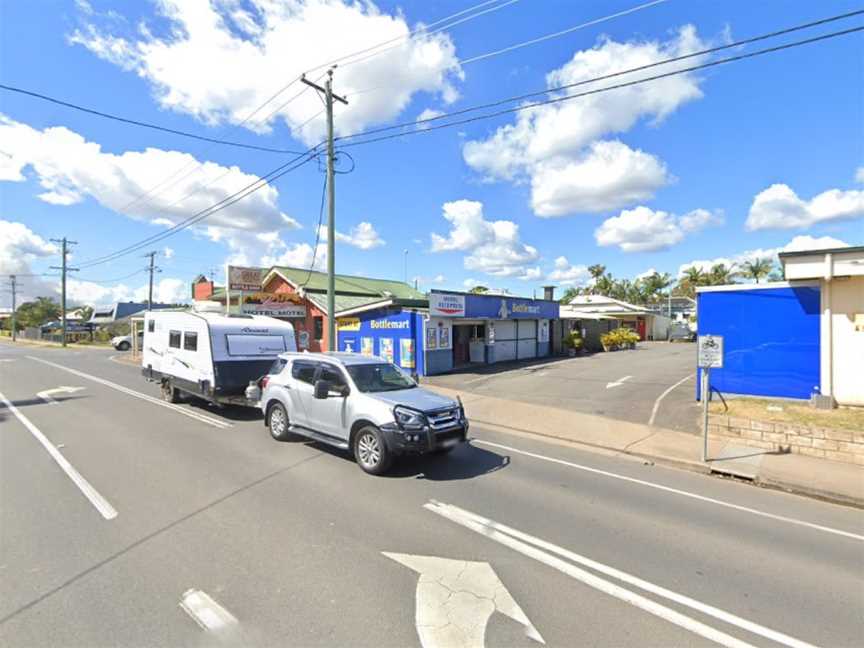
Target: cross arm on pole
(312,84)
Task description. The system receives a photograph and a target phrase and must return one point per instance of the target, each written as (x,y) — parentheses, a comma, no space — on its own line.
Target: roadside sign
(709,351)
(240,278)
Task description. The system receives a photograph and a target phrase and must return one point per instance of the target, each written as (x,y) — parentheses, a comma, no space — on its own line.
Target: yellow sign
(348,323)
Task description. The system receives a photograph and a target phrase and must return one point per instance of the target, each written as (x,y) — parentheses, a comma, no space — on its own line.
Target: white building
(840,273)
(648,324)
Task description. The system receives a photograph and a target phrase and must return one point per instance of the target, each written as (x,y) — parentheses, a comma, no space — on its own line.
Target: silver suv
(358,403)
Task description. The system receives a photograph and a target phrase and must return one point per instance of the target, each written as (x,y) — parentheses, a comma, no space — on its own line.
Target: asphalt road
(623,385)
(287,541)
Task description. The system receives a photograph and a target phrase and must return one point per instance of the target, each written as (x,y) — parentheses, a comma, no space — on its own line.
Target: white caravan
(211,355)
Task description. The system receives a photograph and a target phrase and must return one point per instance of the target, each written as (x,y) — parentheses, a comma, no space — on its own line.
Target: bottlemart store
(464,329)
(457,330)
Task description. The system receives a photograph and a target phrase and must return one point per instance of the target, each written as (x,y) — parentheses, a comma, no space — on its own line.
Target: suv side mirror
(322,389)
(344,390)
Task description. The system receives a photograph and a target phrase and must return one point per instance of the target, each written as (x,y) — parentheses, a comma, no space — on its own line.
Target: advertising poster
(431,337)
(303,339)
(406,353)
(387,349)
(366,346)
(444,337)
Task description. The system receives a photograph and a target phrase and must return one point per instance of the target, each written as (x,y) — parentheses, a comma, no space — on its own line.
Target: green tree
(36,313)
(569,294)
(479,290)
(86,313)
(757,269)
(654,285)
(721,274)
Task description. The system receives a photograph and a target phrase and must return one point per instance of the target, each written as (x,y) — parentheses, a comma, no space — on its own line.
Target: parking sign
(709,351)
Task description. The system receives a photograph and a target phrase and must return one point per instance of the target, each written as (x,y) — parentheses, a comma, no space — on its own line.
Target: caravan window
(174,339)
(190,341)
(255,345)
(151,326)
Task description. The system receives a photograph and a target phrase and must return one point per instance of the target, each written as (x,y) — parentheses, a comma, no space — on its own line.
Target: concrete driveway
(654,383)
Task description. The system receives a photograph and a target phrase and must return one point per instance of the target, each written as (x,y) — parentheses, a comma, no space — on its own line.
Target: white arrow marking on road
(46,395)
(456,598)
(618,382)
(206,612)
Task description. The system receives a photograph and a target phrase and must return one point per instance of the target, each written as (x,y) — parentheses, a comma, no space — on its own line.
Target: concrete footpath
(830,480)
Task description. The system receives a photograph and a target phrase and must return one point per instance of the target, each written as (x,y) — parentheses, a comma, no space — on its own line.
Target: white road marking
(664,395)
(206,612)
(7,359)
(490,528)
(668,489)
(456,598)
(46,395)
(618,382)
(203,418)
(102,505)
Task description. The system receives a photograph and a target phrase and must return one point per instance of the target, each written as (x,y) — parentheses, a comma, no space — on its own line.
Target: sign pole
(705,398)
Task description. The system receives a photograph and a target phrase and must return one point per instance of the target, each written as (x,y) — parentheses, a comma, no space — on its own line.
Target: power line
(252,187)
(135,122)
(536,104)
(115,280)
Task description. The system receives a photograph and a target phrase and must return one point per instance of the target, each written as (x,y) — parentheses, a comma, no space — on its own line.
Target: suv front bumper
(401,442)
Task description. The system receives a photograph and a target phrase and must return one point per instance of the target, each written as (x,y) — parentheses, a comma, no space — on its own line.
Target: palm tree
(757,268)
(694,276)
(479,290)
(569,294)
(653,286)
(721,275)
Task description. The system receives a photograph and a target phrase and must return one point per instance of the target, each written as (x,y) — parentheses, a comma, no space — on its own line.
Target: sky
(723,164)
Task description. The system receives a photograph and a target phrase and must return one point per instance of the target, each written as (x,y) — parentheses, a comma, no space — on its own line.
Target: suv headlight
(409,419)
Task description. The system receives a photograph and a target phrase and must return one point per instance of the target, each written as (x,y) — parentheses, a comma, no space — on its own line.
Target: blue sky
(723,164)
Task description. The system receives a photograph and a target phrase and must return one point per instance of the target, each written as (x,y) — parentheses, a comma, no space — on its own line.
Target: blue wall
(770,337)
(396,325)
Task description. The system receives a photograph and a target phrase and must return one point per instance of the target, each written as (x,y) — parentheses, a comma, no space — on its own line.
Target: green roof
(347,285)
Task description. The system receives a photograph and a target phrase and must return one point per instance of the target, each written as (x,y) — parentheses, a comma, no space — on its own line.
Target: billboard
(240,278)
(274,305)
(446,305)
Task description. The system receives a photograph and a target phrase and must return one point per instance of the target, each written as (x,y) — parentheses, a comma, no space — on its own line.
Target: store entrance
(469,343)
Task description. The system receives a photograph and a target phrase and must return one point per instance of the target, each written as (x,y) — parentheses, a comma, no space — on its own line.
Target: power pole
(64,251)
(14,325)
(152,268)
(329,97)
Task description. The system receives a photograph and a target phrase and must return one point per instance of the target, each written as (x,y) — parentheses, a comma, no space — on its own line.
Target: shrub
(574,340)
(609,340)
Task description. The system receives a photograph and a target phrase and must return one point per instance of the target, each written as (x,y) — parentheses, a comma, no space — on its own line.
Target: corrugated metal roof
(348,284)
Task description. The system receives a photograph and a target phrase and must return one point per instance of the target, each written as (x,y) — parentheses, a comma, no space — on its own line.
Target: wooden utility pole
(329,98)
(64,251)
(14,322)
(152,268)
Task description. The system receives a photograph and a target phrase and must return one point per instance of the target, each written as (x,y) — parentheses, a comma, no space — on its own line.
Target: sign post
(709,354)
(241,279)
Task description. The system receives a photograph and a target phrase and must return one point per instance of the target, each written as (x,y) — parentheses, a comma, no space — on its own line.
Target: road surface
(190,527)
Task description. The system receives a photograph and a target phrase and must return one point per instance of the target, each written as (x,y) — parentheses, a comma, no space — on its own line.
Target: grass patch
(850,418)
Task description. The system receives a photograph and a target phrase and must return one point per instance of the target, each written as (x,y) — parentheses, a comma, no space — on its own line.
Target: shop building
(649,325)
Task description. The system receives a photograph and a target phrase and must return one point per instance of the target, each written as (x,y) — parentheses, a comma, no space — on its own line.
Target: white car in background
(124,342)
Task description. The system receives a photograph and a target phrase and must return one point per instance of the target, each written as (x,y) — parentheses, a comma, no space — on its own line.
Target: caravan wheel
(169,392)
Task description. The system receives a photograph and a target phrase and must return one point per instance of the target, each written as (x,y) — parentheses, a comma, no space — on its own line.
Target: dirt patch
(849,418)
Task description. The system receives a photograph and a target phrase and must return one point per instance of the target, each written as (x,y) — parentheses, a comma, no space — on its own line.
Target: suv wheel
(370,451)
(170,393)
(277,422)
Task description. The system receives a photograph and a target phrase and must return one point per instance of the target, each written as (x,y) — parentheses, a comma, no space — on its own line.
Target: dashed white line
(206,612)
(546,551)
(682,493)
(203,418)
(664,395)
(102,505)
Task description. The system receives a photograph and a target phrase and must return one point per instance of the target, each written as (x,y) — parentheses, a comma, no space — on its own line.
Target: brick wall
(827,443)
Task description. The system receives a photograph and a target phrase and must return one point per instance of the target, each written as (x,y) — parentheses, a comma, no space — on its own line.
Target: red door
(640,327)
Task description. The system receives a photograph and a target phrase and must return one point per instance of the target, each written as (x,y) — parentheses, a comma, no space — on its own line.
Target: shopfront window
(319,328)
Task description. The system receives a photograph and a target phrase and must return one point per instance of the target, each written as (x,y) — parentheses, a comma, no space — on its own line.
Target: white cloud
(645,230)
(468,284)
(779,207)
(803,242)
(428,113)
(607,175)
(566,273)
(859,175)
(362,236)
(168,252)
(19,248)
(72,169)
(221,59)
(299,255)
(650,272)
(167,291)
(494,247)
(564,149)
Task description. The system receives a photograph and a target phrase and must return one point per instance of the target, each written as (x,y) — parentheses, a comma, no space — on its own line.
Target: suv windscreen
(379,377)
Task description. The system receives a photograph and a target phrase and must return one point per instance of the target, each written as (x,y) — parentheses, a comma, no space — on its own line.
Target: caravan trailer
(211,355)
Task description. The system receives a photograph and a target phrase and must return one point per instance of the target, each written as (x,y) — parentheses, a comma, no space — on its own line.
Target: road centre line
(607,587)
(664,395)
(203,418)
(96,499)
(490,528)
(668,489)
